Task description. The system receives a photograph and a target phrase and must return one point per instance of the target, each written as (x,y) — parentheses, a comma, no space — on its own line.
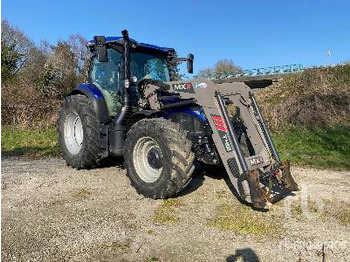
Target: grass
(339,210)
(81,194)
(166,212)
(29,142)
(243,220)
(344,217)
(153,259)
(150,232)
(117,245)
(317,147)
(297,209)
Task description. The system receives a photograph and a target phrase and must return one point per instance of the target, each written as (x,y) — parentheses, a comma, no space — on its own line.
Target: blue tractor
(132,108)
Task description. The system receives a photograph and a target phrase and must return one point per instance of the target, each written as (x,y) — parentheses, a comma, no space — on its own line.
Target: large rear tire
(158,158)
(78,132)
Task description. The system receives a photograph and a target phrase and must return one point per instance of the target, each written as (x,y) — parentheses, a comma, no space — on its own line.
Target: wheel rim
(148,158)
(73,133)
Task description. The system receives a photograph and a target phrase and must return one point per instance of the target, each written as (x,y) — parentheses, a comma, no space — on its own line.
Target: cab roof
(116,39)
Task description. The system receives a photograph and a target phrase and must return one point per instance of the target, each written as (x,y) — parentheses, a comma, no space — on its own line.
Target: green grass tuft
(153,259)
(166,212)
(344,217)
(82,194)
(338,210)
(26,142)
(296,208)
(117,245)
(150,232)
(243,220)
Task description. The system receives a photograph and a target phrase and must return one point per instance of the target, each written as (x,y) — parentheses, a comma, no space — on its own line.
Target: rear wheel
(158,158)
(78,132)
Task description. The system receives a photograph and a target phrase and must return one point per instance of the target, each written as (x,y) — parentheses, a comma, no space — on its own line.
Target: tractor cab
(106,70)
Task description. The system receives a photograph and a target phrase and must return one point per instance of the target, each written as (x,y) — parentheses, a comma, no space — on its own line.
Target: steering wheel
(145,82)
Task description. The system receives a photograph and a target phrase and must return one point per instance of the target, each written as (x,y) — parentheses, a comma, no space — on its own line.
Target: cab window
(107,76)
(149,66)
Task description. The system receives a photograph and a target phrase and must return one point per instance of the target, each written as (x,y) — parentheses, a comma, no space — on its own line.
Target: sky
(251,33)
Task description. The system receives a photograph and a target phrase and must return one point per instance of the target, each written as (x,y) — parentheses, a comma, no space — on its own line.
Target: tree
(222,67)
(60,71)
(18,45)
(78,47)
(9,60)
(174,69)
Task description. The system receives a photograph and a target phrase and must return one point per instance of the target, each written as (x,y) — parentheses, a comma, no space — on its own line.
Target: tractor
(132,108)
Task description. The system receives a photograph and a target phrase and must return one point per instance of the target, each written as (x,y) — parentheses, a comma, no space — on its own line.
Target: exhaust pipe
(117,129)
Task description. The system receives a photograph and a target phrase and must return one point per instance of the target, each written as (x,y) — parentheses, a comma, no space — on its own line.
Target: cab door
(107,77)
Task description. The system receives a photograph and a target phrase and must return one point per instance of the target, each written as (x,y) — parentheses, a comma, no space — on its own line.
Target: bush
(23,106)
(318,97)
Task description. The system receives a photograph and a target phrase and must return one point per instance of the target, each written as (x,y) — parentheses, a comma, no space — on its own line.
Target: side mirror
(101,49)
(190,58)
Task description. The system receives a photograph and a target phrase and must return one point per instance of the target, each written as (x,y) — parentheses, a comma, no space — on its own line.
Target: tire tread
(182,156)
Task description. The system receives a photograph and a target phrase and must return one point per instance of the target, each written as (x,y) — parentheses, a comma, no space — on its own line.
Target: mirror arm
(178,59)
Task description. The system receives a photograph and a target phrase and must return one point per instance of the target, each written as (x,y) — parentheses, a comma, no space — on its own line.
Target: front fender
(96,98)
(137,116)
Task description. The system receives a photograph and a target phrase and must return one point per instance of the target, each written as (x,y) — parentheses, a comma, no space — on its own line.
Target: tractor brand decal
(256,160)
(221,126)
(219,123)
(201,85)
(183,87)
(225,139)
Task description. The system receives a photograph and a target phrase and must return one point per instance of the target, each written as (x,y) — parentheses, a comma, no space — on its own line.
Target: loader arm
(221,103)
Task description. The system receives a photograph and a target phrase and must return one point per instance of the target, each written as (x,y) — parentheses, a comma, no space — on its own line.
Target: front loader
(131,108)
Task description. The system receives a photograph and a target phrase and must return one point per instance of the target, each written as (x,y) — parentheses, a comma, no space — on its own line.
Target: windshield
(149,66)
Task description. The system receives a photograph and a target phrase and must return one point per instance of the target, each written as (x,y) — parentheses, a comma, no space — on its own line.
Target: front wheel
(158,158)
(78,132)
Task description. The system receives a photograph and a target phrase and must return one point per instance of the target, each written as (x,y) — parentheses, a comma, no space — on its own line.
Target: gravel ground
(51,212)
